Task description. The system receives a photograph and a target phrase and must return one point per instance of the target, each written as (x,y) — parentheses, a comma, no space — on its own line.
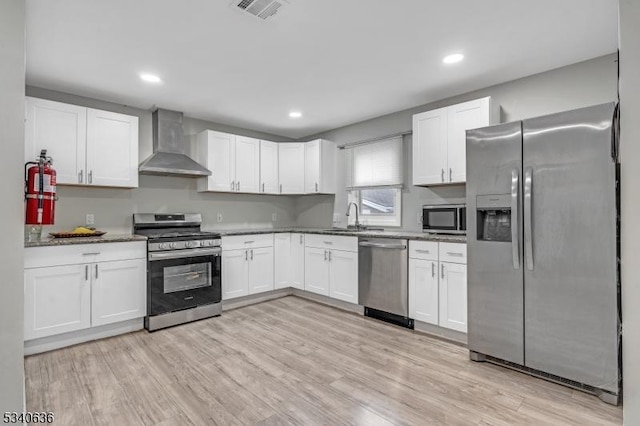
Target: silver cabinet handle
(90,176)
(442,175)
(251,254)
(86,272)
(262,186)
(96,271)
(80,175)
(327,242)
(515,243)
(329,255)
(450,174)
(528,249)
(95,253)
(281,188)
(238,186)
(246,255)
(249,242)
(301,239)
(325,255)
(233,185)
(422,251)
(433,269)
(453,253)
(316,186)
(442,270)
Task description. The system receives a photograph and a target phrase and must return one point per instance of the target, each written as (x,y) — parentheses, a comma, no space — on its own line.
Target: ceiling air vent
(262,9)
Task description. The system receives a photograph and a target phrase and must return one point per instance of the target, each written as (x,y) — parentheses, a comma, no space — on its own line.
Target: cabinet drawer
(336,242)
(239,242)
(427,250)
(453,252)
(39,257)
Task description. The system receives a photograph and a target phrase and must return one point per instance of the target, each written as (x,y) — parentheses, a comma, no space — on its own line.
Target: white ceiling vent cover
(262,9)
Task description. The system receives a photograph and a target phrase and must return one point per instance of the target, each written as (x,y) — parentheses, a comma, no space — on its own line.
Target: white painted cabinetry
(291,167)
(439,140)
(331,266)
(319,167)
(282,260)
(88,146)
(70,288)
(247,265)
(438,284)
(269,183)
(233,160)
(297,261)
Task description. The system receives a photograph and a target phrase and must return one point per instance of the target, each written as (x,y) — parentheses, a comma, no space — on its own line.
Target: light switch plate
(90,219)
(219,217)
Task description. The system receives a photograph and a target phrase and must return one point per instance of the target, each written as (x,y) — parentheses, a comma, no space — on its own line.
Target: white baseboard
(252,299)
(50,343)
(340,304)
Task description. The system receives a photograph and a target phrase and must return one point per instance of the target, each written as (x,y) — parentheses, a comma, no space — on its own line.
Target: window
(375,182)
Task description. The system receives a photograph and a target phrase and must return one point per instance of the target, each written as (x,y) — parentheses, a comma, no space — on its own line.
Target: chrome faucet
(349,209)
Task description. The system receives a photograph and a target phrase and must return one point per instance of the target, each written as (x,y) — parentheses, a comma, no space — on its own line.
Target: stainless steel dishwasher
(383,287)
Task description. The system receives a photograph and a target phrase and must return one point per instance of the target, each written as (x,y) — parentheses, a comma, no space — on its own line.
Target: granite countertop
(371,234)
(107,238)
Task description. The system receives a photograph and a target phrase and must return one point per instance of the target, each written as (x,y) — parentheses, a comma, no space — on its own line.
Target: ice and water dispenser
(493,215)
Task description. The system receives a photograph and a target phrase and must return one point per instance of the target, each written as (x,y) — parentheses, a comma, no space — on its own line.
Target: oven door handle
(184,253)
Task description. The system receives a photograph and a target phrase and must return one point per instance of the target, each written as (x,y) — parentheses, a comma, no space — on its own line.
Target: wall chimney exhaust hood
(169,158)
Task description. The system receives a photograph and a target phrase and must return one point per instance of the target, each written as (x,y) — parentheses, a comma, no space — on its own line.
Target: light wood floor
(292,361)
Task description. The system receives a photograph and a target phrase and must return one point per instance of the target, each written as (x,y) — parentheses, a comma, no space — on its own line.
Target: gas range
(184,268)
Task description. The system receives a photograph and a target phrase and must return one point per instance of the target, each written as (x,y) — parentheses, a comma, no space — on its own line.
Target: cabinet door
(297,261)
(119,291)
(57,300)
(112,149)
(316,270)
(216,151)
(312,167)
(291,167)
(463,117)
(430,147)
(260,270)
(61,129)
(453,296)
(247,158)
(343,275)
(269,167)
(423,290)
(282,260)
(235,273)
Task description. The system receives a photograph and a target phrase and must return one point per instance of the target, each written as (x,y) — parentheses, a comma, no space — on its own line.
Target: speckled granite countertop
(371,234)
(114,238)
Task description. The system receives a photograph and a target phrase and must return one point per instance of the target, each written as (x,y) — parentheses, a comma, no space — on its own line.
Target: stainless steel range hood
(169,147)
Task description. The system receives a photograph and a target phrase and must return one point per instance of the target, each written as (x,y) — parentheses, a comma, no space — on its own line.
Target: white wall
(630,204)
(113,208)
(578,85)
(12,74)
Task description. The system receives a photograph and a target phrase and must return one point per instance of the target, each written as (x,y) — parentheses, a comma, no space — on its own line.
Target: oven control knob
(172,245)
(162,246)
(210,243)
(188,244)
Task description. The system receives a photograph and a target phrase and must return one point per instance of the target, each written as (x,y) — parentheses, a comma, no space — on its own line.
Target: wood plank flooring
(293,362)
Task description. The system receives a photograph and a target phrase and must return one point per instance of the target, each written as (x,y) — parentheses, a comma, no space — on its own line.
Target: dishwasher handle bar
(383,246)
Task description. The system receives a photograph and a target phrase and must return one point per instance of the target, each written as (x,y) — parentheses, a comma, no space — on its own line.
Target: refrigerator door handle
(528,249)
(515,243)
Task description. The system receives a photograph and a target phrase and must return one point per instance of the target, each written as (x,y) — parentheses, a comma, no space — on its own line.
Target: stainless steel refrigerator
(542,218)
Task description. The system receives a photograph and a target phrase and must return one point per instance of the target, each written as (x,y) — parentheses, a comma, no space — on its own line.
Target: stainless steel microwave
(444,218)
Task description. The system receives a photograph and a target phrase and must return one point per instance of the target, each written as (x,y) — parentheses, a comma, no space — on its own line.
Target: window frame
(395,220)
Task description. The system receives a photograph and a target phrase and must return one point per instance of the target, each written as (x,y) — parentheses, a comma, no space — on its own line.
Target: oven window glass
(443,219)
(186,277)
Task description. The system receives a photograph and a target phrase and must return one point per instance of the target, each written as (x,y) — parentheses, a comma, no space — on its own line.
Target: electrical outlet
(274,217)
(219,217)
(419,217)
(90,219)
(336,218)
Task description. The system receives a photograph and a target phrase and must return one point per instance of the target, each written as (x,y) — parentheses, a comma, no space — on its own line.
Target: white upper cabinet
(320,167)
(233,160)
(439,140)
(88,146)
(269,168)
(291,167)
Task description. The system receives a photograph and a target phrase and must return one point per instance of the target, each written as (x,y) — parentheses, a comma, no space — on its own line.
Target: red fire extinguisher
(40,190)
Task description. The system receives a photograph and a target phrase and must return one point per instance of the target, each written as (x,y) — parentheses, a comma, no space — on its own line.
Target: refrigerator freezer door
(495,273)
(571,315)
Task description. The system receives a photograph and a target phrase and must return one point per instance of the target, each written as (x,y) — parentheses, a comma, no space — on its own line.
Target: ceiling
(336,61)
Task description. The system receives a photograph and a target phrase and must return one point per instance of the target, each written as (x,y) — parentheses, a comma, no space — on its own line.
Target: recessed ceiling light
(452,59)
(295,114)
(150,78)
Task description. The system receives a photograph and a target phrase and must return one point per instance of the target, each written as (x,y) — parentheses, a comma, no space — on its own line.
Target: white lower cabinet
(297,261)
(438,284)
(329,271)
(282,260)
(57,300)
(453,296)
(247,270)
(71,288)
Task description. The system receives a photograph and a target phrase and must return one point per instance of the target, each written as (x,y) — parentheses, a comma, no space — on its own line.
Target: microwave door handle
(515,243)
